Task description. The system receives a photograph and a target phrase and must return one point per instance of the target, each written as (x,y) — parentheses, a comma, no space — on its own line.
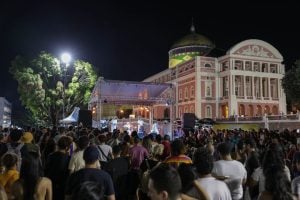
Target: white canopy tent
(72,118)
(132,93)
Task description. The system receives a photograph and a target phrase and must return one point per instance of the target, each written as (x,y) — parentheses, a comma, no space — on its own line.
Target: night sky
(130,41)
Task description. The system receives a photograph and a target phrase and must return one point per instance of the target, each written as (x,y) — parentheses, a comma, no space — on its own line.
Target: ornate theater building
(246,81)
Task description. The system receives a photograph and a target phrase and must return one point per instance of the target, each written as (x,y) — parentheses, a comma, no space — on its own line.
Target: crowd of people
(85,163)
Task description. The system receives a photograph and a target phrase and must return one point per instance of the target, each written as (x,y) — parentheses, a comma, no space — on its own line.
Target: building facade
(246,81)
(5,112)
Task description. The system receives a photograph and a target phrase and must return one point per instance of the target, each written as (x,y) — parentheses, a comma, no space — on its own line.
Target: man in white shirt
(76,163)
(233,171)
(216,189)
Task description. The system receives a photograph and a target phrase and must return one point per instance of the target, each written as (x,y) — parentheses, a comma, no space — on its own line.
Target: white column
(260,87)
(198,89)
(217,88)
(278,88)
(150,118)
(233,85)
(171,121)
(245,91)
(269,88)
(253,88)
(176,90)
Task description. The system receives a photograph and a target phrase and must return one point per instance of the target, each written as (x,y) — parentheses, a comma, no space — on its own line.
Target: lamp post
(65,58)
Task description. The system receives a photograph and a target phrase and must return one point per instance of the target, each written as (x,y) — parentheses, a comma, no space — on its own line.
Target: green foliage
(41,86)
(291,84)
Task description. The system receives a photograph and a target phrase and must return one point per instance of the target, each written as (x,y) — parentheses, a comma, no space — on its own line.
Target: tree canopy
(41,86)
(291,84)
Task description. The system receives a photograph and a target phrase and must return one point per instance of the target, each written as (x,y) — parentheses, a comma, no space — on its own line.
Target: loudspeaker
(85,117)
(189,120)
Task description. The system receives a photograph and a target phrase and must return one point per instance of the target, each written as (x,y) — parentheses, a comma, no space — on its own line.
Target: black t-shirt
(117,168)
(90,174)
(57,168)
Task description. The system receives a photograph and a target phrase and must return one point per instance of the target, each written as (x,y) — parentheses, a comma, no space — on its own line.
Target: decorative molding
(255,50)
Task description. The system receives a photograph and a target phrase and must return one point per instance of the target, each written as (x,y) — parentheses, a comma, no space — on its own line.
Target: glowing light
(66,58)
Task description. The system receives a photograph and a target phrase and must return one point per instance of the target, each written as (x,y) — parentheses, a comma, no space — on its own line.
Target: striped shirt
(177,160)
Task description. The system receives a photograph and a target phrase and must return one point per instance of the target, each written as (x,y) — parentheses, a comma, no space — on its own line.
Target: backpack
(16,150)
(146,175)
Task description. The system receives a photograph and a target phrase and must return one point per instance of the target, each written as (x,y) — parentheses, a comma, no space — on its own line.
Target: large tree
(291,84)
(41,86)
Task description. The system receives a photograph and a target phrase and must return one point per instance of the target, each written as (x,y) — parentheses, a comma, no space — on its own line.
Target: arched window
(192,110)
(208,112)
(180,94)
(186,93)
(208,89)
(192,91)
(207,65)
(179,112)
(186,109)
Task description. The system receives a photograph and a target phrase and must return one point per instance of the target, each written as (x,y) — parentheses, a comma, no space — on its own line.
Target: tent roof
(129,92)
(73,117)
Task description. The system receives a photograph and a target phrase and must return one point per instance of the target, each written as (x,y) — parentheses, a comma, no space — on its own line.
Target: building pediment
(255,50)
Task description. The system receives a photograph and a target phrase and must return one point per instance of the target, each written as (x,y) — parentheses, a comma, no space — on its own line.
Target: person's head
(136,140)
(167,137)
(126,138)
(203,161)
(2,137)
(115,134)
(91,155)
(83,142)
(250,144)
(124,149)
(147,143)
(9,160)
(64,143)
(15,135)
(88,190)
(210,147)
(134,134)
(158,138)
(187,176)
(225,148)
(116,149)
(102,138)
(158,150)
(177,147)
(164,183)
(273,155)
(27,137)
(296,160)
(277,183)
(30,173)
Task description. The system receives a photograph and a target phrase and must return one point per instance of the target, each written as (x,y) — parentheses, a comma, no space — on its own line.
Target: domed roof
(193,39)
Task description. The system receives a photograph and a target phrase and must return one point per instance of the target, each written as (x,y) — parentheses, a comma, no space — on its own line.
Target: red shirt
(167,149)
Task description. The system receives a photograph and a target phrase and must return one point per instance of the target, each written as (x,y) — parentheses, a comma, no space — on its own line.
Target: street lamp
(65,58)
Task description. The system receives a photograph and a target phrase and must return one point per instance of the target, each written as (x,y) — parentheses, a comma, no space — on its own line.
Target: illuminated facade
(5,112)
(246,81)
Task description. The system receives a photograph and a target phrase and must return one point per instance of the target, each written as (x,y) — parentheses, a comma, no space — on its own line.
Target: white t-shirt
(216,190)
(259,177)
(106,149)
(236,172)
(76,162)
(296,186)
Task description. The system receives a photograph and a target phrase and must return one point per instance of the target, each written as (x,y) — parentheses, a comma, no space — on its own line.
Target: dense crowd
(83,163)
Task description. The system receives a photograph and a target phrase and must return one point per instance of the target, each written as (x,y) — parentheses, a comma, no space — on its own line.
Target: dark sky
(130,41)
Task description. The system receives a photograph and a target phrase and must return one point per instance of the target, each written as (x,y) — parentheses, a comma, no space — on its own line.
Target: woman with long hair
(277,185)
(31,185)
